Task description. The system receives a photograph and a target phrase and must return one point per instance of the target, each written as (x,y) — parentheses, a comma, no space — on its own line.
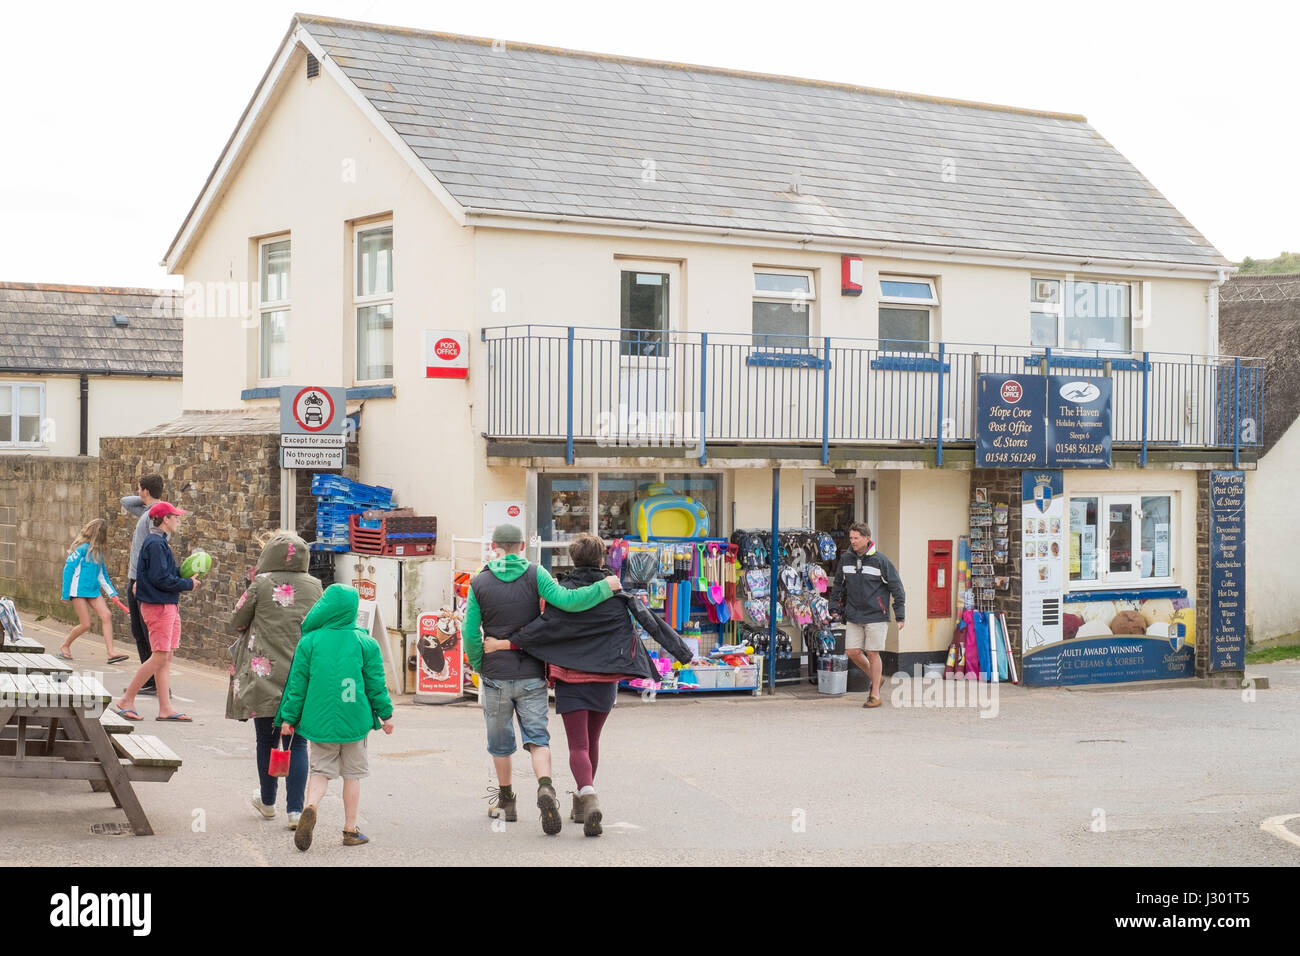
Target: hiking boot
(579,809)
(355,838)
(503,807)
(302,835)
(591,815)
(550,807)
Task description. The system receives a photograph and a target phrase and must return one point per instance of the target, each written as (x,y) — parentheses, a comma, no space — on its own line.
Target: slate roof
(69,328)
(1260,315)
(536,129)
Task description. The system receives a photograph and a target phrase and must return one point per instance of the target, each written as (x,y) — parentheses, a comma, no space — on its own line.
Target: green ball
(198,564)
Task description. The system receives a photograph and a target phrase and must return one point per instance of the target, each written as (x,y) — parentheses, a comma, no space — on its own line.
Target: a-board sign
(1227,571)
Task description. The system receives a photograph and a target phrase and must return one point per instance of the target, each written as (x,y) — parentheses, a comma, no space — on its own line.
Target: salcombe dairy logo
(76,909)
(1081,393)
(513,511)
(1012,392)
(446,349)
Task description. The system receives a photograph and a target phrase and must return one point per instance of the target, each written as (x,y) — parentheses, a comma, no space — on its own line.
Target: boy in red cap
(157,587)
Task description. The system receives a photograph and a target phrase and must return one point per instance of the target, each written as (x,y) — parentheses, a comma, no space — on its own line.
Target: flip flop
(126,712)
(66,657)
(179,718)
(117,659)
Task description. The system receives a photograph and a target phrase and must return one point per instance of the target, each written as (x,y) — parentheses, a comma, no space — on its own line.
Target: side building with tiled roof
(1260,315)
(80,362)
(554,278)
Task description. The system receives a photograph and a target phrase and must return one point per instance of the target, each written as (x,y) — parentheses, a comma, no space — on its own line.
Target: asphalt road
(1117,777)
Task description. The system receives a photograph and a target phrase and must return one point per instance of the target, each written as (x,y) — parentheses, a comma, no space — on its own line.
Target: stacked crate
(337,499)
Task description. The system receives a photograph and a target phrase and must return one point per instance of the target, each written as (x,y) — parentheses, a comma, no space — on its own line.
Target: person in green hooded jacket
(334,698)
(269,616)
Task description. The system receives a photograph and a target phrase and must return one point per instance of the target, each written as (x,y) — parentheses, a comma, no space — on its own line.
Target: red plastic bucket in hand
(279,765)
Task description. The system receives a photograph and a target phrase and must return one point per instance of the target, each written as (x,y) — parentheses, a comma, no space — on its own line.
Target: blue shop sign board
(1078,421)
(1107,660)
(1227,571)
(1010,421)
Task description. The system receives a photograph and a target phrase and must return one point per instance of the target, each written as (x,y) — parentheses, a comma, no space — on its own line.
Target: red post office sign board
(446,354)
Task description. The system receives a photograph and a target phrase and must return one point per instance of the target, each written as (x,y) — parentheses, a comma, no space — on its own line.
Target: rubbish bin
(832,674)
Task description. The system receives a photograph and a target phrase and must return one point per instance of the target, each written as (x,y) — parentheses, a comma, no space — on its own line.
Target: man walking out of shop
(864,581)
(504,597)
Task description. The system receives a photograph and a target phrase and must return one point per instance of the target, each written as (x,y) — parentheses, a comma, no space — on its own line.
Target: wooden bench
(20,645)
(144,750)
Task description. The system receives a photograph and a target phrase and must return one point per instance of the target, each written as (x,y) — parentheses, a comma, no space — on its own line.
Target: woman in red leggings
(589,652)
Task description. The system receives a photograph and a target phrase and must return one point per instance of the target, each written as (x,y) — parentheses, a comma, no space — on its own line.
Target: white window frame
(808,299)
(362,301)
(909,304)
(13,415)
(278,305)
(1057,309)
(1132,579)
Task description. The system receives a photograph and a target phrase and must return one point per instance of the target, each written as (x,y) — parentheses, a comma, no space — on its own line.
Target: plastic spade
(119,603)
(716,594)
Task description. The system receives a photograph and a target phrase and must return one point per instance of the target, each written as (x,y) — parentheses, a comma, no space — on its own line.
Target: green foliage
(1286,262)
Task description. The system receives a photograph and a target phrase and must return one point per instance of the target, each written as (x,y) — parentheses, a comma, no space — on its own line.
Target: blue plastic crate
(337,487)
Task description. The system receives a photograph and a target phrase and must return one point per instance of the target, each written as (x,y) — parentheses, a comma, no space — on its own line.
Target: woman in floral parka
(269,616)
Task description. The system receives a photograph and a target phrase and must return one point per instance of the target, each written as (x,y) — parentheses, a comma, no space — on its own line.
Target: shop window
(1075,314)
(273,309)
(373,302)
(614,505)
(1119,540)
(21,412)
(643,312)
(706,489)
(906,311)
(563,510)
(782,306)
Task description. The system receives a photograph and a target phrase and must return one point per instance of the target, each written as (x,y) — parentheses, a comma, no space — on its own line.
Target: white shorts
(868,637)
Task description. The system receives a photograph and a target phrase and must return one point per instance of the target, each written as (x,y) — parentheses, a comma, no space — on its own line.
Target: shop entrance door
(833,504)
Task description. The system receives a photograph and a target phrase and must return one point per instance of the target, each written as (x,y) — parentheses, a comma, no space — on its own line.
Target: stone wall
(230,485)
(44,502)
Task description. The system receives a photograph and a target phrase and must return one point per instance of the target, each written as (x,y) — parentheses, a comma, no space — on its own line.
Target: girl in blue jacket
(85,582)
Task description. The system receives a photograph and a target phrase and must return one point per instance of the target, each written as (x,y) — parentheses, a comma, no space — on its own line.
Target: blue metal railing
(649,388)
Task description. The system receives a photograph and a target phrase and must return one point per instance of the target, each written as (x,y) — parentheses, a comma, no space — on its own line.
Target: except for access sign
(295,457)
(312,410)
(446,354)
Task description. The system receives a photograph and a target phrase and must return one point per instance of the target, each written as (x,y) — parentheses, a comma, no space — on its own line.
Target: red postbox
(938,579)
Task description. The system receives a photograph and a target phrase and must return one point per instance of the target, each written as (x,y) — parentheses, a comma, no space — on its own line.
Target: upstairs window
(782,305)
(1075,314)
(273,308)
(906,311)
(373,302)
(643,312)
(21,413)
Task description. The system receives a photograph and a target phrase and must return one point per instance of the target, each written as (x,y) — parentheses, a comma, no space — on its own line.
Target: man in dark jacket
(503,598)
(864,581)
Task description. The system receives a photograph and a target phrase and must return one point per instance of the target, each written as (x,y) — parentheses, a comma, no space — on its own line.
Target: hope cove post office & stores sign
(1100,596)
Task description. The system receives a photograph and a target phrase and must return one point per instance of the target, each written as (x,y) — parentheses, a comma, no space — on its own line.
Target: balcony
(640,390)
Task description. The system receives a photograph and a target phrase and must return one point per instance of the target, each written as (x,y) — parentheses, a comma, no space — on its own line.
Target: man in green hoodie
(503,597)
(334,697)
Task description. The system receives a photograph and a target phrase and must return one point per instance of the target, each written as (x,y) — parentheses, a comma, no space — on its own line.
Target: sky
(113,114)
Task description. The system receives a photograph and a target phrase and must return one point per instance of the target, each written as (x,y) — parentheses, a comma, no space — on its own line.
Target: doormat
(111,829)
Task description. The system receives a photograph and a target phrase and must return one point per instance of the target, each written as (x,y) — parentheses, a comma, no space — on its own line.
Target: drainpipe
(1212,347)
(85,415)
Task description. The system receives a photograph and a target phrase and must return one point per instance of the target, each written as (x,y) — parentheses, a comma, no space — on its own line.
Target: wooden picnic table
(56,726)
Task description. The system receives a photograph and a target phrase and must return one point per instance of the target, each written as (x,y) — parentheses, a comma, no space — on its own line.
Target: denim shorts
(502,700)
